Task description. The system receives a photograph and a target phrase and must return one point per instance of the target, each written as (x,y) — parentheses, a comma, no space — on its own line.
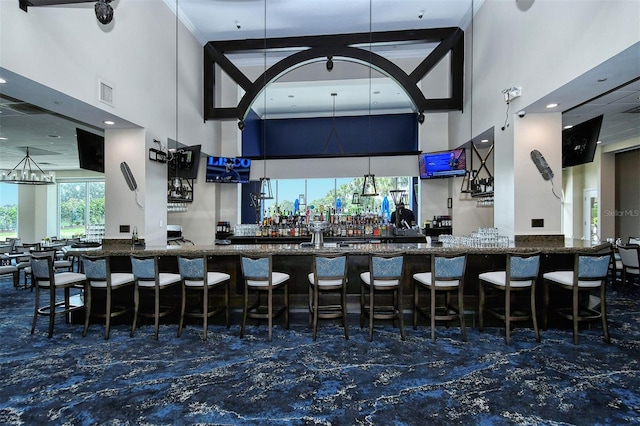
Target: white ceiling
(52,137)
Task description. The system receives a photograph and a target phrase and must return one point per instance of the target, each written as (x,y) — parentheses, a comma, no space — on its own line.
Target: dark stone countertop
(569,246)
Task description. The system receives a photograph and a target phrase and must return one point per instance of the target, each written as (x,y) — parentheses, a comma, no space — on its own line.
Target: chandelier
(28,172)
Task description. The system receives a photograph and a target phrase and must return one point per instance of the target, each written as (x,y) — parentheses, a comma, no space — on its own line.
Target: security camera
(238,26)
(420,15)
(522,114)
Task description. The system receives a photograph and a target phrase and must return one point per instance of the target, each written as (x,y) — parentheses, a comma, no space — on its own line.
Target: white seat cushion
(118,279)
(64,278)
(633,271)
(164,279)
(500,277)
(566,278)
(276,277)
(425,278)
(8,269)
(213,278)
(366,278)
(321,283)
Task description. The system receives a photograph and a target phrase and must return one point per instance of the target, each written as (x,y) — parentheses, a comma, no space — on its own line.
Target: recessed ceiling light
(568,126)
(376,92)
(109,122)
(599,142)
(552,105)
(484,140)
(2,138)
(54,136)
(291,96)
(601,80)
(2,80)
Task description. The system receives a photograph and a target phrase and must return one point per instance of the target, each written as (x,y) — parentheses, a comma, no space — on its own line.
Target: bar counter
(296,260)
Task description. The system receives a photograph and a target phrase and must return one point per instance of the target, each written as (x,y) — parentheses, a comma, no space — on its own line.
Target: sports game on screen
(228,170)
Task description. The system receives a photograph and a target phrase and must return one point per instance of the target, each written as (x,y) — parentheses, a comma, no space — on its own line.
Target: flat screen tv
(579,142)
(90,150)
(186,162)
(443,164)
(228,170)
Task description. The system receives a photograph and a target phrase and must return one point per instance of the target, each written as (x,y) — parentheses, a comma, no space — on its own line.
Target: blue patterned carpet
(72,380)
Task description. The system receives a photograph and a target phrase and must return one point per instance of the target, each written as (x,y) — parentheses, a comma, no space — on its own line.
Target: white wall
(539,49)
(67,50)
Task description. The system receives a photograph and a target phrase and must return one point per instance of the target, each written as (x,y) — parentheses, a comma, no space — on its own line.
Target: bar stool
(149,278)
(447,278)
(383,277)
(44,278)
(589,273)
(259,278)
(329,275)
(193,271)
(519,276)
(100,278)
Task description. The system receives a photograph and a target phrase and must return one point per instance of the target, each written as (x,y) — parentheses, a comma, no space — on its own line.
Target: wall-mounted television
(228,169)
(443,164)
(90,150)
(185,162)
(579,142)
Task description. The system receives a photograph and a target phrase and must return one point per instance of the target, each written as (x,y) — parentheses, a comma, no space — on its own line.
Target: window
(81,208)
(8,211)
(325,193)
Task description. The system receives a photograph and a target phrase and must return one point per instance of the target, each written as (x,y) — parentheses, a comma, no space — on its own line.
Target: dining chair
(44,278)
(23,263)
(519,276)
(383,278)
(328,279)
(634,241)
(589,274)
(446,278)
(260,278)
(149,279)
(7,267)
(630,262)
(197,278)
(97,270)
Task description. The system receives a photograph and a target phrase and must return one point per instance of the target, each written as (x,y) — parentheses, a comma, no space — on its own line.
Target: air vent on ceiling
(634,110)
(26,108)
(106,92)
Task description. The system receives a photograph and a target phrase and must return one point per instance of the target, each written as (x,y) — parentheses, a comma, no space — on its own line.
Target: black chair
(260,278)
(148,278)
(45,279)
(196,277)
(328,279)
(589,274)
(100,278)
(519,276)
(446,278)
(384,277)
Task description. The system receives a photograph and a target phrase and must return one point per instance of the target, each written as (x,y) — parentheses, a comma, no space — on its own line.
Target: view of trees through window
(81,204)
(326,192)
(8,211)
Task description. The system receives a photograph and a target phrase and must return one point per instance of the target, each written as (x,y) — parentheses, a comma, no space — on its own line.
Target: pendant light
(265,182)
(28,175)
(369,185)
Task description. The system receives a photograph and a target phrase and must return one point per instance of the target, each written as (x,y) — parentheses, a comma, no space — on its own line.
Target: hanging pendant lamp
(369,185)
(27,174)
(265,183)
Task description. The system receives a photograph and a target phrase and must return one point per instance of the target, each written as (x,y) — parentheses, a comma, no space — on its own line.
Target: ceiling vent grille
(106,93)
